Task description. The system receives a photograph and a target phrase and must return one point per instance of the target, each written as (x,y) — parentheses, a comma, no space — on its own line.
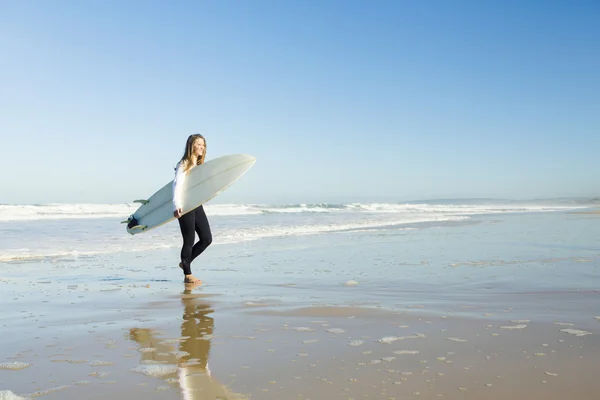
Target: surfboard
(202,184)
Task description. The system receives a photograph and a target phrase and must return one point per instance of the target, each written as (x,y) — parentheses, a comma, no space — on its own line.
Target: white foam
(52,211)
(40,393)
(101,363)
(40,253)
(14,366)
(303,329)
(576,332)
(156,371)
(402,352)
(454,339)
(146,349)
(355,342)
(265,232)
(391,339)
(9,212)
(8,395)
(511,327)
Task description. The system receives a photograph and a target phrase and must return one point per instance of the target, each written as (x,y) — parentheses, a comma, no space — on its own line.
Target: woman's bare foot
(190,286)
(192,279)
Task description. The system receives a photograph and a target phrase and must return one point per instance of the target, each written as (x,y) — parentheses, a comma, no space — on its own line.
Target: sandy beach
(505,307)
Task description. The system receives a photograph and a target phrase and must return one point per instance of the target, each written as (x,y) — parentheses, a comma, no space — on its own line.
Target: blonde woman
(194,221)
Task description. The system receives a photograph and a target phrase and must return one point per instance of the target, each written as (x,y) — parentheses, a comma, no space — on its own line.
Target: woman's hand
(177,213)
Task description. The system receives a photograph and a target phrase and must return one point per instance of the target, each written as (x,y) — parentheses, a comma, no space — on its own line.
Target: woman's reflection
(187,364)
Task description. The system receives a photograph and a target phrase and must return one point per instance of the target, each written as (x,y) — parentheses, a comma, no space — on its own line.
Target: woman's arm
(177,189)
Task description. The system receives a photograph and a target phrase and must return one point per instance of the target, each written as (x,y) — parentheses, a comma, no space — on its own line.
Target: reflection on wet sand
(184,361)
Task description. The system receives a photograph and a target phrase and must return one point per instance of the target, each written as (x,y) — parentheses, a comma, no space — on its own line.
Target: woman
(194,221)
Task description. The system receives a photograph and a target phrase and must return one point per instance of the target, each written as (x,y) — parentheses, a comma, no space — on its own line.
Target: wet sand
(198,347)
(498,316)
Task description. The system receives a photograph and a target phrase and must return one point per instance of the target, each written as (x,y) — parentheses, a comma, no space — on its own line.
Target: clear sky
(338,100)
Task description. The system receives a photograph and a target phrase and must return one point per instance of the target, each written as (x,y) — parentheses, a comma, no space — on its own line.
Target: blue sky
(338,100)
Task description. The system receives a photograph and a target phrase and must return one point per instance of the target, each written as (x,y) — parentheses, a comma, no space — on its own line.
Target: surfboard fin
(142,201)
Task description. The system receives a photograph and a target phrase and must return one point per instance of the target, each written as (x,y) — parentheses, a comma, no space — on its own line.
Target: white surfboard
(203,183)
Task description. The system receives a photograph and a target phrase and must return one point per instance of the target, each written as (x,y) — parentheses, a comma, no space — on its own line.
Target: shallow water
(545,263)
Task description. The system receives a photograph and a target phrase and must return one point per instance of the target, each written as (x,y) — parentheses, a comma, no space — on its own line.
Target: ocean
(465,299)
(63,231)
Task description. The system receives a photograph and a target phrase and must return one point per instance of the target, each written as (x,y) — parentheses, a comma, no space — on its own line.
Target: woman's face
(198,147)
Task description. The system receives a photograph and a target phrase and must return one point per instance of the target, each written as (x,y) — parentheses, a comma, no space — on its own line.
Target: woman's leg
(203,229)
(188,233)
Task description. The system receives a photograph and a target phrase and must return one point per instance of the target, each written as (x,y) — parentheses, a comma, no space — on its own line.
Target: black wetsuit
(191,223)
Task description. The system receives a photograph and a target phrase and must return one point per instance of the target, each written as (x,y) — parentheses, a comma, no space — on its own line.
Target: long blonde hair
(186,159)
